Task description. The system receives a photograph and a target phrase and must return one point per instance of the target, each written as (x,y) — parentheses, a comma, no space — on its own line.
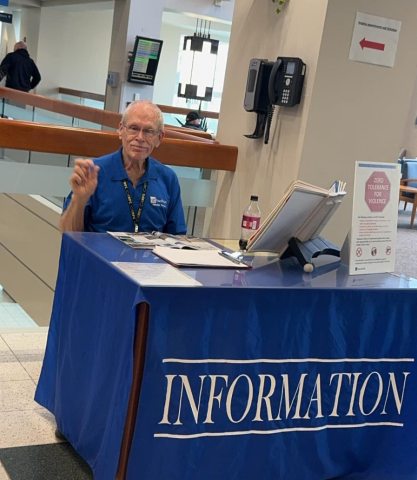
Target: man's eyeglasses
(134,130)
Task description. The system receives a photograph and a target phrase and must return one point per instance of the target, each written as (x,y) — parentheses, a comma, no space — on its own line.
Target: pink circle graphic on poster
(377,191)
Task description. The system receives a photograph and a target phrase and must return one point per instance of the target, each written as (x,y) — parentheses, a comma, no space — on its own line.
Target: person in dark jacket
(195,120)
(20,70)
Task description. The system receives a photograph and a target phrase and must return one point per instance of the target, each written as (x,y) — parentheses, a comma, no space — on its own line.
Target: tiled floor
(22,346)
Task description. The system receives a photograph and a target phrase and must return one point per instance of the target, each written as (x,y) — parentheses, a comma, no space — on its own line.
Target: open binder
(293,226)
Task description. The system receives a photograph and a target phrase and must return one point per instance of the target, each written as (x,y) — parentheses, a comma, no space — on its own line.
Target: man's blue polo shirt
(108,208)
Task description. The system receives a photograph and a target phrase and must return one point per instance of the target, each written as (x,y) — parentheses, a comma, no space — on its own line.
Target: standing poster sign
(374,218)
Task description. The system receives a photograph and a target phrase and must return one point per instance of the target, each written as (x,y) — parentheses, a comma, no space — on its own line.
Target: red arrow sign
(368,44)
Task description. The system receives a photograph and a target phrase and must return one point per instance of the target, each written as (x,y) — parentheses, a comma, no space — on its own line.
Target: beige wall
(358,111)
(410,135)
(29,253)
(350,111)
(265,170)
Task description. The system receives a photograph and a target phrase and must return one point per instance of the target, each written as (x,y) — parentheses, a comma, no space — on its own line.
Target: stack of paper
(301,213)
(153,239)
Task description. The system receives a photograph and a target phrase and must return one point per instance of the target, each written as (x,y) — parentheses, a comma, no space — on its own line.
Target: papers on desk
(301,213)
(153,239)
(156,274)
(199,258)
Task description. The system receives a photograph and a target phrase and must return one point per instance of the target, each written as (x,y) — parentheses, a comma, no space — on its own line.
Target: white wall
(165,87)
(25,23)
(203,8)
(74,49)
(74,45)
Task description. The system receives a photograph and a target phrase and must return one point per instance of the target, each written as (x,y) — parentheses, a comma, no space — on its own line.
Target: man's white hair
(146,103)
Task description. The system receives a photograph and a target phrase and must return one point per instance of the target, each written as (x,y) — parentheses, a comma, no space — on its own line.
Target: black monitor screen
(144,62)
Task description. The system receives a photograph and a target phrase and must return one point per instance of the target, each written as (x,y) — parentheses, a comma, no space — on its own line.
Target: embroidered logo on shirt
(158,202)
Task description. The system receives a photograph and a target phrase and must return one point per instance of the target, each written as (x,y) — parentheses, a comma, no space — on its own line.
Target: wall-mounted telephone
(272,83)
(286,81)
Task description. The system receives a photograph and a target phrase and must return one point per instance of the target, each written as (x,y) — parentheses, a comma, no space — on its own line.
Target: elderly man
(20,70)
(127,190)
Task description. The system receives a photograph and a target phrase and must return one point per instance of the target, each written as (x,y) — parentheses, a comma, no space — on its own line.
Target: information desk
(269,373)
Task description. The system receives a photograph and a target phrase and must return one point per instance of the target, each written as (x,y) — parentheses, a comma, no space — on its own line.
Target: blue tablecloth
(269,373)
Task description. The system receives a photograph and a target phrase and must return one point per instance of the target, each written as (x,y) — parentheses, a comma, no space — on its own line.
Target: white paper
(149,240)
(374,218)
(302,213)
(156,274)
(197,258)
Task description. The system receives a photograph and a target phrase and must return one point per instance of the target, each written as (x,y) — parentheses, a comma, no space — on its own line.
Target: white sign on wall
(374,40)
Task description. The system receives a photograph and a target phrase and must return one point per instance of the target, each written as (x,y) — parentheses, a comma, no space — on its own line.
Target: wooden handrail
(184,111)
(94,115)
(93,143)
(164,108)
(79,93)
(186,131)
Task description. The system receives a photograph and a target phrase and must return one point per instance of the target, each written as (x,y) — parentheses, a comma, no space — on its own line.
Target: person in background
(19,69)
(194,120)
(128,190)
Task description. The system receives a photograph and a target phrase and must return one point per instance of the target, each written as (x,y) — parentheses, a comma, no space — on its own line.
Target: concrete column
(131,18)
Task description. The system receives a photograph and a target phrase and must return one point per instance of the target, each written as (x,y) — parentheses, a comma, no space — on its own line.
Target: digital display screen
(290,68)
(144,61)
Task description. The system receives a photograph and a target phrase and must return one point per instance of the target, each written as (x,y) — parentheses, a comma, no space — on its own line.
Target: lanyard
(135,217)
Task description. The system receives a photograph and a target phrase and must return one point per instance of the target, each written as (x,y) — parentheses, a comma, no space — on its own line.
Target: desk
(269,373)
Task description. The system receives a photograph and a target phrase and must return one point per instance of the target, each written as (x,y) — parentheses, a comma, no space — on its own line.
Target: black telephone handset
(269,84)
(286,81)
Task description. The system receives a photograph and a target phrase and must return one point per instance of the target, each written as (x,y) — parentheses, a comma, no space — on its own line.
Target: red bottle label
(251,223)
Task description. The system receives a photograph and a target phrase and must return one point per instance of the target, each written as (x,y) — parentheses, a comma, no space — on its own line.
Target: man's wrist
(79,201)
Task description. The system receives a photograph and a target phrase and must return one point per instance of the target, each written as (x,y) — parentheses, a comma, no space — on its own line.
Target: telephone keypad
(285,95)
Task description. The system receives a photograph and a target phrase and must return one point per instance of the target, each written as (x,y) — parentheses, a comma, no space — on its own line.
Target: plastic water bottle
(251,220)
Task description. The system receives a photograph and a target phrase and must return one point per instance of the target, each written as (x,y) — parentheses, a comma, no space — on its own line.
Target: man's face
(139,133)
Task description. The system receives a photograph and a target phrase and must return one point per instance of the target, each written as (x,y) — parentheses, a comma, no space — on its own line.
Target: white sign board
(374,40)
(374,218)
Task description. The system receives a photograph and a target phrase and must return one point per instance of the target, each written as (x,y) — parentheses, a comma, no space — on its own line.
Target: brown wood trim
(188,131)
(164,108)
(79,93)
(187,134)
(184,111)
(56,139)
(93,143)
(197,154)
(95,115)
(139,353)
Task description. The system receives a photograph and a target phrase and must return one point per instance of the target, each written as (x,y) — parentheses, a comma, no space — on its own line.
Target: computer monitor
(144,61)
